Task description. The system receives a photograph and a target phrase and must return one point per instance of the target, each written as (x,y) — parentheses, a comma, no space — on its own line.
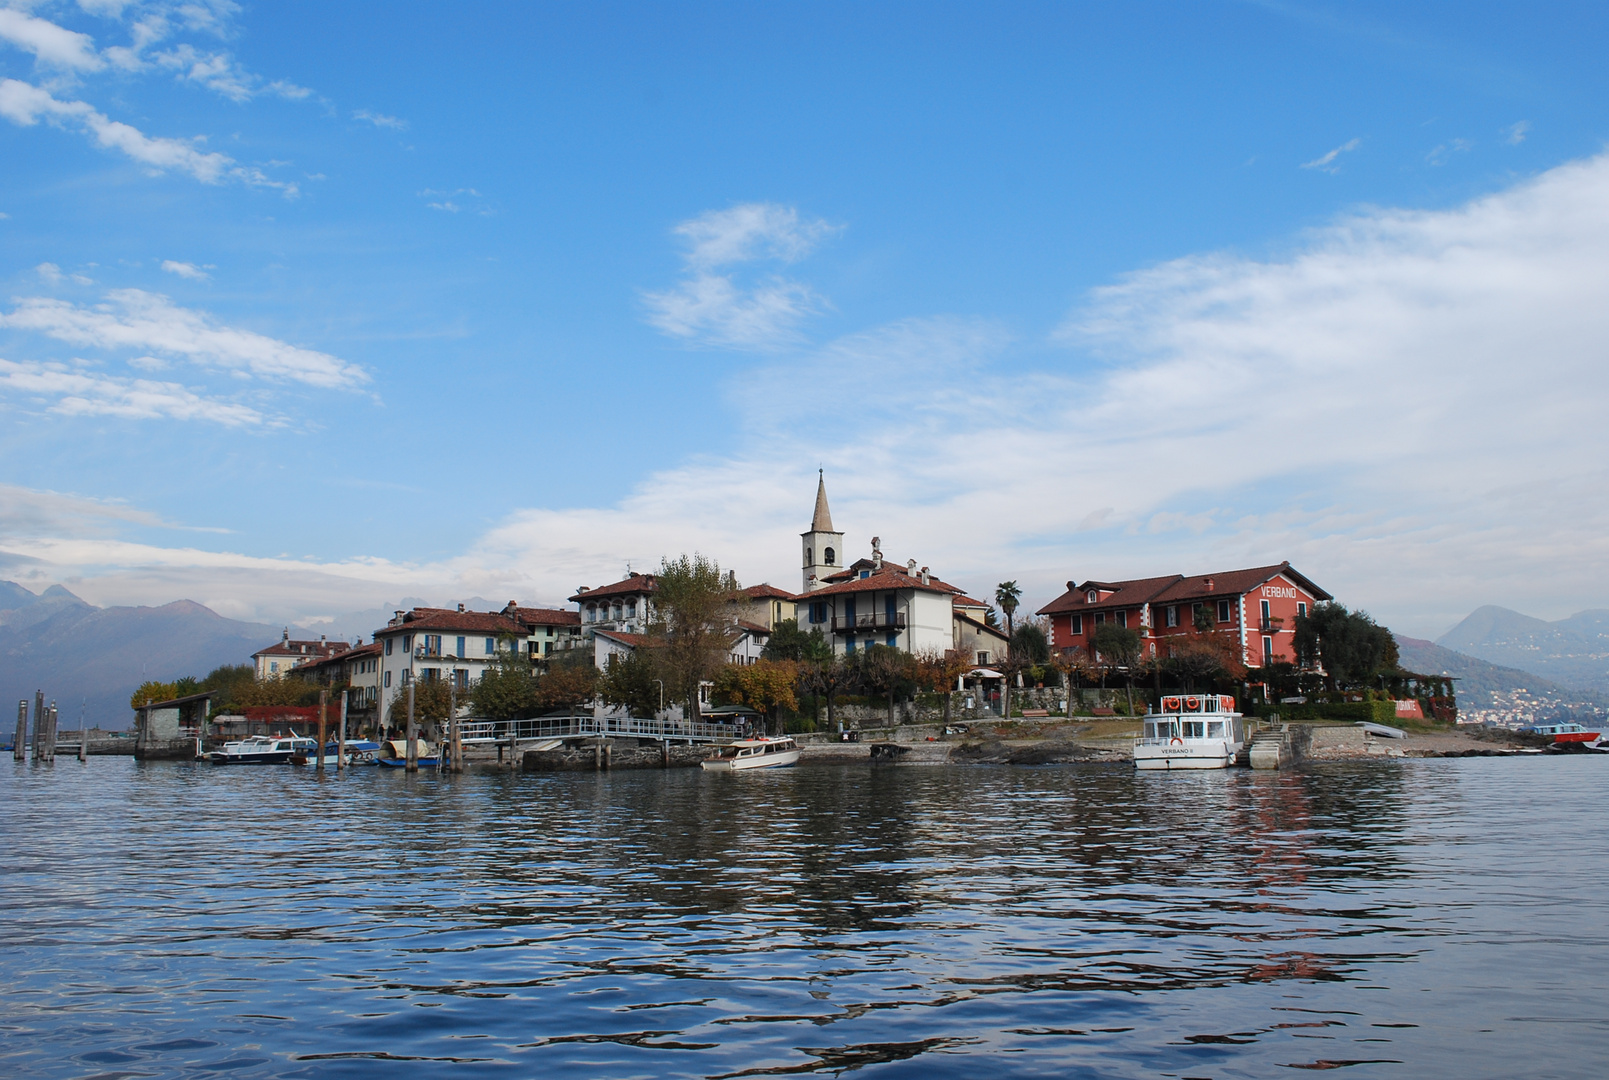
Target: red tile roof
(354,653)
(535,616)
(1174,588)
(314,650)
(888,578)
(636,583)
(475,622)
(968,602)
(754,628)
(983,626)
(767,591)
(636,641)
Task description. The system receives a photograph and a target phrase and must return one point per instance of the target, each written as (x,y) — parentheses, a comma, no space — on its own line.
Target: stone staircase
(1269,748)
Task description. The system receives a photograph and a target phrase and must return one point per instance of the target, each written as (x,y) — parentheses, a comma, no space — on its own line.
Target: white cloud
(187,270)
(1406,404)
(455,201)
(138,320)
(1442,153)
(52,45)
(713,308)
(750,231)
(25,105)
(1326,162)
(49,272)
(1515,134)
(77,392)
(381,120)
(222,74)
(710,308)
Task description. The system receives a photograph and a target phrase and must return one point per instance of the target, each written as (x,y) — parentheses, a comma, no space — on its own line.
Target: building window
(1173,615)
(1223,611)
(407,676)
(808,560)
(388,642)
(1123,619)
(491,646)
(463,678)
(631,610)
(388,680)
(407,642)
(461,650)
(1092,596)
(617,611)
(827,556)
(1268,650)
(1078,625)
(1100,618)
(1301,609)
(273,667)
(1265,613)
(983,658)
(893,640)
(849,644)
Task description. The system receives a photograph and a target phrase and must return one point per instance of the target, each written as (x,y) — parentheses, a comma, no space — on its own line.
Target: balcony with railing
(867,622)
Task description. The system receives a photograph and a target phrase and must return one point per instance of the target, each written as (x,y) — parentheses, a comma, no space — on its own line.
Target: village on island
(871,659)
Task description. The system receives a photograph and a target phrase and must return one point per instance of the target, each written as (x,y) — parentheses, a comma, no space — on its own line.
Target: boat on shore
(358,752)
(393,754)
(745,754)
(1192,731)
(1566,734)
(264,750)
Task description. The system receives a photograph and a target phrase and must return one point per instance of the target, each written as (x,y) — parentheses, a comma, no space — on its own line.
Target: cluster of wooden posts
(455,741)
(44,739)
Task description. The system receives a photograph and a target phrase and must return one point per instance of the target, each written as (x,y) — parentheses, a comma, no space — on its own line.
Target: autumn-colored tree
(1204,654)
(829,677)
(938,672)
(766,686)
(885,670)
(150,691)
(432,702)
(1118,650)
(567,685)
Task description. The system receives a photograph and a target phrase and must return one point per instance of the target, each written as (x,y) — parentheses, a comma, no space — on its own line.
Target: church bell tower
(823,547)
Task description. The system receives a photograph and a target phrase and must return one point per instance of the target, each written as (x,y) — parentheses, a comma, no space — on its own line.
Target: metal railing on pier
(563,727)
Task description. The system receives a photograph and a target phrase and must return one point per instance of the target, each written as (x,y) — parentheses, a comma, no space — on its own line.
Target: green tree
(228,680)
(788,642)
(886,671)
(151,690)
(432,699)
(507,689)
(1120,648)
(690,631)
(631,681)
(1031,644)
(1351,647)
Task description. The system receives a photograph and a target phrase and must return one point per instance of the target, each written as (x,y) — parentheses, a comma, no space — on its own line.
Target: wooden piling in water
(412,756)
(340,741)
(455,737)
(83,735)
(19,746)
(50,732)
(39,725)
(323,711)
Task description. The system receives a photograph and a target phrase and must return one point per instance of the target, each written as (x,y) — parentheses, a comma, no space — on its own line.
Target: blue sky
(307,310)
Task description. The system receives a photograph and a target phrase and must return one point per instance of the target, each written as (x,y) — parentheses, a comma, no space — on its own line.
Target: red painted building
(1258,608)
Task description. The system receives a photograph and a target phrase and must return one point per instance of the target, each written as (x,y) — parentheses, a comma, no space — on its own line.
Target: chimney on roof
(926,578)
(1209,585)
(877,553)
(1071,585)
(286,635)
(633,574)
(322,640)
(910,568)
(582,589)
(460,607)
(396,617)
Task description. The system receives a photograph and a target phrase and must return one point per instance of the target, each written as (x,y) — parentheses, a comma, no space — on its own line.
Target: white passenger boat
(264,750)
(754,754)
(1193,731)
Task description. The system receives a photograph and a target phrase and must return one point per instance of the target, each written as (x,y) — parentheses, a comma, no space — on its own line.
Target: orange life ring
(1176,741)
(1192,704)
(1170,704)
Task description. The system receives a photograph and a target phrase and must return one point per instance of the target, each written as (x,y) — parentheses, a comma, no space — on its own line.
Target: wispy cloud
(187,270)
(77,392)
(458,201)
(1442,153)
(712,307)
(52,45)
(1515,134)
(380,120)
(133,319)
(1327,162)
(25,105)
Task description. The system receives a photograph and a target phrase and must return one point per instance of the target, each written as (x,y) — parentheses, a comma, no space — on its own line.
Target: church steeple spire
(823,544)
(822,522)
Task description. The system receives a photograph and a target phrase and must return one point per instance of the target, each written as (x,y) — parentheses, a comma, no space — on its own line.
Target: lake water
(1404,919)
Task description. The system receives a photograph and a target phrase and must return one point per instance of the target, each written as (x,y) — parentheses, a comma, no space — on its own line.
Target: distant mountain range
(1479,680)
(89,660)
(1572,652)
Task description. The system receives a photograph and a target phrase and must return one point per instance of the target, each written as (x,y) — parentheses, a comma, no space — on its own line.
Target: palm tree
(1008,595)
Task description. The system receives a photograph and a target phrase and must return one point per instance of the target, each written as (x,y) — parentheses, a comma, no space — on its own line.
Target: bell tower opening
(822,540)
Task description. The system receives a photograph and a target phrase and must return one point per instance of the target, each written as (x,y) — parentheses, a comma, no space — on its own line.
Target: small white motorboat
(264,750)
(1193,731)
(754,754)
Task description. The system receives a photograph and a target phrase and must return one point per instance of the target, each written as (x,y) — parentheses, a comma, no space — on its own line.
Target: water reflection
(1002,920)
